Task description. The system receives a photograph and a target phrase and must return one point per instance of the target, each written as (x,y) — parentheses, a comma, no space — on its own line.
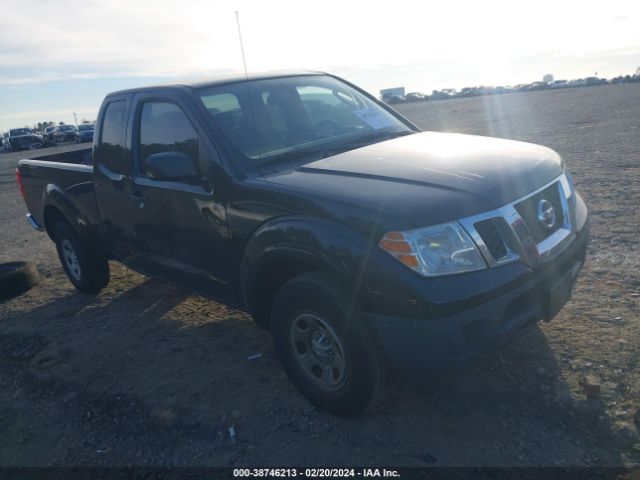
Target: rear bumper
(34,223)
(417,349)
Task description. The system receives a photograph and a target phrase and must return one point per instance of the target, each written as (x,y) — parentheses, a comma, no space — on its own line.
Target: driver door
(180,223)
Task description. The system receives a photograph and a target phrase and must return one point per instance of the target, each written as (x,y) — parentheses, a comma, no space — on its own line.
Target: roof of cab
(222,80)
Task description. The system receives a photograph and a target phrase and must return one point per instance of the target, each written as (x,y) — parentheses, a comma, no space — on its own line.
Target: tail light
(19,182)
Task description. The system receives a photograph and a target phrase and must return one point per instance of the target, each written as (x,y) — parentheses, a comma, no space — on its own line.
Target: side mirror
(171,166)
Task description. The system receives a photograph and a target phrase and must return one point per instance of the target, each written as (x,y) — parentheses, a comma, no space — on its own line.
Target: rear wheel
(88,271)
(324,345)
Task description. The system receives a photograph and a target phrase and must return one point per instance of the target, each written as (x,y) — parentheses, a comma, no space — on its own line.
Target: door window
(164,127)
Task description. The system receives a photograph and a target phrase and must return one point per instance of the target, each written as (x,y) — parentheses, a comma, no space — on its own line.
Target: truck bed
(81,156)
(64,179)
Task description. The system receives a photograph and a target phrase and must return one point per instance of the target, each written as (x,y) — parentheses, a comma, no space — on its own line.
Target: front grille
(528,210)
(514,232)
(488,231)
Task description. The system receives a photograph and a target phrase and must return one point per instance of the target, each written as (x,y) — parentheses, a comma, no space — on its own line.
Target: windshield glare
(296,116)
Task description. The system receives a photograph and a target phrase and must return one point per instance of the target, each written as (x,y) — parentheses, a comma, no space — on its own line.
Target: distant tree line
(42,125)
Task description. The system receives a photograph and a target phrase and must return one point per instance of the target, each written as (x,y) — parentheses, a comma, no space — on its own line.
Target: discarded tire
(16,278)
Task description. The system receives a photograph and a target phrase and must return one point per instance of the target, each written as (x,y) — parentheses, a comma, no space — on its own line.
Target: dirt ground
(149,374)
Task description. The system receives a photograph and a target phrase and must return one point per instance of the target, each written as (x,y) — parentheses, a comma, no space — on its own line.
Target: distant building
(387,93)
(548,78)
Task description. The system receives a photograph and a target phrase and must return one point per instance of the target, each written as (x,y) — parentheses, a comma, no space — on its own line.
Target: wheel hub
(321,346)
(318,351)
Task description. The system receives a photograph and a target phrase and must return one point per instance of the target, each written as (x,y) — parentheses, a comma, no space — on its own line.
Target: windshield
(19,131)
(85,127)
(64,128)
(297,117)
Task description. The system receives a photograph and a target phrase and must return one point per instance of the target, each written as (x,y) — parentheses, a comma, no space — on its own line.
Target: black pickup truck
(366,246)
(24,139)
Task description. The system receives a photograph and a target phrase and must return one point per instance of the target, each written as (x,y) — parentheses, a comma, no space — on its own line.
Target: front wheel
(88,271)
(324,345)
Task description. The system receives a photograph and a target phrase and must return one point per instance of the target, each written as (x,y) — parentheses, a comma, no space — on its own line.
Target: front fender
(297,243)
(311,241)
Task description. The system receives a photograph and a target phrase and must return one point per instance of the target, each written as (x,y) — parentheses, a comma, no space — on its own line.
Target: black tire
(87,271)
(314,295)
(16,278)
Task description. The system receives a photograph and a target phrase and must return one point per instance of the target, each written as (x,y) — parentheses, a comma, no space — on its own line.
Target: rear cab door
(112,177)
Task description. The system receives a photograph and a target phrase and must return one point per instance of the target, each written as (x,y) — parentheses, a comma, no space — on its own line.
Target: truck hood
(431,175)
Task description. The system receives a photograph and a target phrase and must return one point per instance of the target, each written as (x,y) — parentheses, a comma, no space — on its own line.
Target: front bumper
(417,349)
(66,138)
(26,144)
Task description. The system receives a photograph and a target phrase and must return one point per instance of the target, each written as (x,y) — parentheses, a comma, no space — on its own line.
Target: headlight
(432,251)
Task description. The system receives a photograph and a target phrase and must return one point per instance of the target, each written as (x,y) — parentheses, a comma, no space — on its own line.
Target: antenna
(246,77)
(244,61)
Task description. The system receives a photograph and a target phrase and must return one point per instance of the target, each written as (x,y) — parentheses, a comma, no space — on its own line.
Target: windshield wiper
(305,155)
(380,136)
(323,151)
(361,140)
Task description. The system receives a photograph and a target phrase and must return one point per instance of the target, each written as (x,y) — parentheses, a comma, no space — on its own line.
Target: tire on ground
(87,271)
(16,278)
(316,293)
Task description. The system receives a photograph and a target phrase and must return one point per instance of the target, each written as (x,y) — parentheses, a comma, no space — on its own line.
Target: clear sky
(62,56)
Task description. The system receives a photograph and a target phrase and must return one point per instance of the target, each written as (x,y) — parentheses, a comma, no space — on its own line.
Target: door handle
(118,182)
(137,198)
(117,179)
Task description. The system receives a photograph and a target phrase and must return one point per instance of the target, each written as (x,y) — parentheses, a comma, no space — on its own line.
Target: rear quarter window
(111,149)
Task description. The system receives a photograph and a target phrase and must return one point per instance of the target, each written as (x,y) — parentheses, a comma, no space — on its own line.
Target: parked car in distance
(443,94)
(558,84)
(415,97)
(593,81)
(47,136)
(24,139)
(395,99)
(5,145)
(64,134)
(363,244)
(579,82)
(85,132)
(470,92)
(500,90)
(537,86)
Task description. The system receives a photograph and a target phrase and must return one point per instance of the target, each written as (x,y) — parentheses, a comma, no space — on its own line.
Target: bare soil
(149,374)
